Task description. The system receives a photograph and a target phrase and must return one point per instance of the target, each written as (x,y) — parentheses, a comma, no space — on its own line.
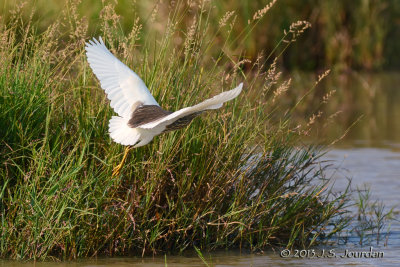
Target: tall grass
(237,177)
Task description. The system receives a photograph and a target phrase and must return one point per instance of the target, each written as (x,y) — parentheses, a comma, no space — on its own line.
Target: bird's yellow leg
(118,168)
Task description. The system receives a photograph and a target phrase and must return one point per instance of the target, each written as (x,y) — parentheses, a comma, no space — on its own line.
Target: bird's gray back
(147,113)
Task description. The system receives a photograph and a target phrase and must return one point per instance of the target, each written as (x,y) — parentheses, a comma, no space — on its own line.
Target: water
(369,154)
(370,99)
(377,169)
(374,168)
(220,259)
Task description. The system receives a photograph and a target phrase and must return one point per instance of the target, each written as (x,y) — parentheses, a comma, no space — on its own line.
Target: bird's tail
(121,133)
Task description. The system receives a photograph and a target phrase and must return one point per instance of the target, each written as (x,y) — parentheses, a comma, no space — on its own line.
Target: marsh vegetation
(241,177)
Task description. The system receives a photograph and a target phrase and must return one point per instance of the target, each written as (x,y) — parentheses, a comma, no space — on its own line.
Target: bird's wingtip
(239,88)
(94,41)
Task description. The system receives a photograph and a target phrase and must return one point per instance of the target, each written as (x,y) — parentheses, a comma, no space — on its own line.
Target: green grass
(194,188)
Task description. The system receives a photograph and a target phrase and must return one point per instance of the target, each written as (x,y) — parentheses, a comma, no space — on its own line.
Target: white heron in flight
(140,118)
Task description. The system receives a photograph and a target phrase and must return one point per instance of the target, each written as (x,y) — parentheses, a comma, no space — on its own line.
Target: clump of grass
(234,178)
(373,220)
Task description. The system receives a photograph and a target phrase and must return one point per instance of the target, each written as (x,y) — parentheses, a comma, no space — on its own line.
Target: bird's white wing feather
(211,103)
(123,86)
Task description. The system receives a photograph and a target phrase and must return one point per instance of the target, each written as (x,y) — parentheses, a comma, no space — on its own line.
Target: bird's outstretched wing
(211,103)
(123,87)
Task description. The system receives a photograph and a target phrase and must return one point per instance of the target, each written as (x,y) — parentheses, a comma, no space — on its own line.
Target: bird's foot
(117,170)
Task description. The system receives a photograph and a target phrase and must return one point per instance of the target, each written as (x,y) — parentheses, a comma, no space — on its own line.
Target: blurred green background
(357,34)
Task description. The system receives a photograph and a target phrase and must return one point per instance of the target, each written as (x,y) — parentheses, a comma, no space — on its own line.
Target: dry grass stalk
(238,65)
(272,77)
(222,22)
(327,96)
(110,21)
(331,118)
(154,13)
(260,13)
(313,118)
(50,43)
(296,29)
(78,25)
(311,121)
(131,40)
(17,10)
(190,38)
(322,76)
(282,89)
